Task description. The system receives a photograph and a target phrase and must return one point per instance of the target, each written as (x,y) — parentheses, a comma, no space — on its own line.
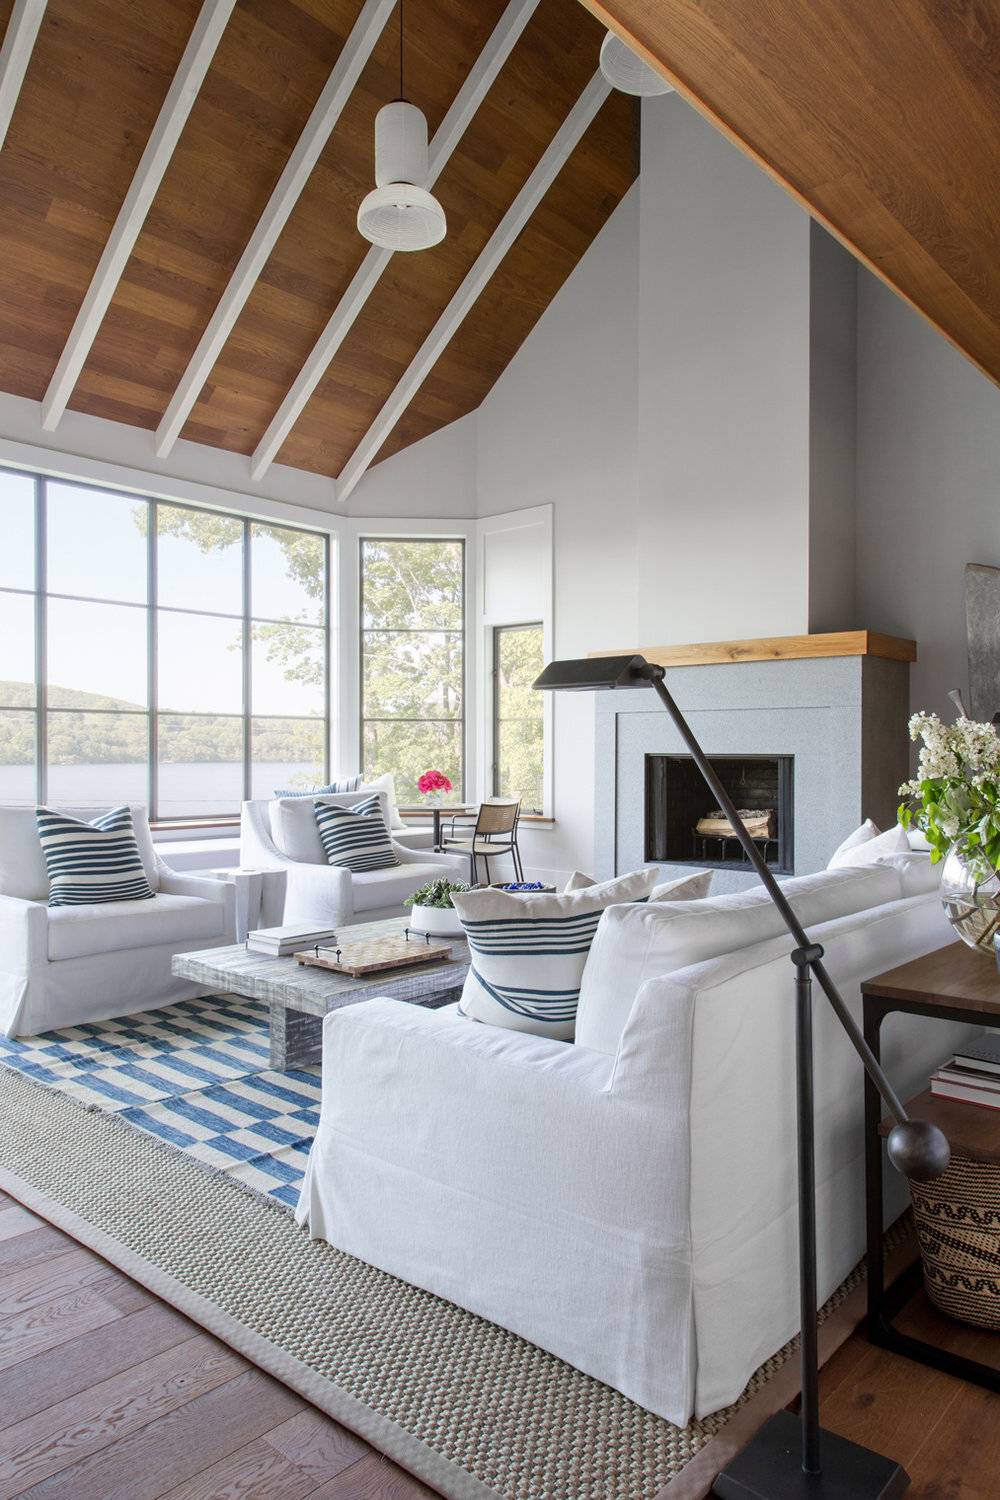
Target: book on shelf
(278,942)
(966,1093)
(983,1056)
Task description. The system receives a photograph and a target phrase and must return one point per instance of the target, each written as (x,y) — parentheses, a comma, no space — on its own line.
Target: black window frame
(153,610)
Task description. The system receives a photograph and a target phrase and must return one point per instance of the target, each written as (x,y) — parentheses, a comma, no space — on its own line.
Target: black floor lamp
(790,1458)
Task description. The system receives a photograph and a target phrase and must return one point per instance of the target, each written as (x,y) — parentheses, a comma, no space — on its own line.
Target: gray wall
(928,486)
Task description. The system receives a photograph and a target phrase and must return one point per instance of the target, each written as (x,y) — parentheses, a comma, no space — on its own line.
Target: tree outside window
(413,661)
(518,715)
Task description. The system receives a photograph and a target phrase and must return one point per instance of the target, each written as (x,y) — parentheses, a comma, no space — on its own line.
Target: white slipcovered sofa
(67,965)
(282,834)
(631,1209)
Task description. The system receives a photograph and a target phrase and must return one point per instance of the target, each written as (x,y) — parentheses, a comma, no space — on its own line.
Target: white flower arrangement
(955,795)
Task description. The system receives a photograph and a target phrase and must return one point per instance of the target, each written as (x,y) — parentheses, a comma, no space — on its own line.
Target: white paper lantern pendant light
(628,73)
(400,214)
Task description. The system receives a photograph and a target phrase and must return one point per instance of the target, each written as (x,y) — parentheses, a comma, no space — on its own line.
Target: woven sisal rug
(473,1410)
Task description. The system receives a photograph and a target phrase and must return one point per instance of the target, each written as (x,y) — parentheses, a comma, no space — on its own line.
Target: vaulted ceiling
(171,258)
(881,116)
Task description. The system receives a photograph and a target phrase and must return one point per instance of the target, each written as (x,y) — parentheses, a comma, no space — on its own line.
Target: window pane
(412,585)
(287,753)
(97,760)
(408,750)
(199,664)
(96,543)
(200,766)
(199,560)
(96,655)
(17,650)
(17,757)
(17,530)
(288,574)
(288,669)
(519,715)
(412,676)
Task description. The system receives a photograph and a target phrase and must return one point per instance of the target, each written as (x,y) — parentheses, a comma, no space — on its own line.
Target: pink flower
(434,781)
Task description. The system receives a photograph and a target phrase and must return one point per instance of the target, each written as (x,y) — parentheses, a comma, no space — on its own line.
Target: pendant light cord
(401,95)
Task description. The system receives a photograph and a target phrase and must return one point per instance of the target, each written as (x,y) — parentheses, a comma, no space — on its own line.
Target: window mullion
(152,648)
(247,666)
(41,648)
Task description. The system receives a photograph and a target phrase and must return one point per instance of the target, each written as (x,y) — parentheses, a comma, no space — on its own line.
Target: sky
(95,547)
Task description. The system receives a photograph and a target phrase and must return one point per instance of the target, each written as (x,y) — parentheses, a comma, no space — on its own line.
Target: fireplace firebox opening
(684,825)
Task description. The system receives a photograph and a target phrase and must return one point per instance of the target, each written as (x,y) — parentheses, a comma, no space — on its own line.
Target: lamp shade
(628,73)
(399,213)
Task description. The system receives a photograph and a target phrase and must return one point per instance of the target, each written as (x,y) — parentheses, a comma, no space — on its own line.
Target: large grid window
(413,661)
(156,653)
(518,715)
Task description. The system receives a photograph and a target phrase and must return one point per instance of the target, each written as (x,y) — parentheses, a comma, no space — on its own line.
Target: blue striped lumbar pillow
(90,862)
(528,952)
(355,837)
(348,784)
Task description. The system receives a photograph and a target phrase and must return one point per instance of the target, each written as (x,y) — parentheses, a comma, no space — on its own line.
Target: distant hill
(102,729)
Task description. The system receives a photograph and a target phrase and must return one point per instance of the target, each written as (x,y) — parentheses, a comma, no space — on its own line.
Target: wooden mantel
(777,648)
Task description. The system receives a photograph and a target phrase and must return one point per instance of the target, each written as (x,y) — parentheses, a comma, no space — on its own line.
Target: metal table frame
(884,1305)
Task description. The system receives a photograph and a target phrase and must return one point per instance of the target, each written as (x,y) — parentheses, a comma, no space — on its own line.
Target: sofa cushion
(391,886)
(111,926)
(356,838)
(528,952)
(916,872)
(868,847)
(345,784)
(22,864)
(90,862)
(293,824)
(693,887)
(636,943)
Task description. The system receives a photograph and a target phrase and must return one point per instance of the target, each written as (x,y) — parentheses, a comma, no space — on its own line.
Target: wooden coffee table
(954,983)
(300,997)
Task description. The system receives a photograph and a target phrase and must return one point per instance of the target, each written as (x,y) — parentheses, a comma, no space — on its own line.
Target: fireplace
(677,801)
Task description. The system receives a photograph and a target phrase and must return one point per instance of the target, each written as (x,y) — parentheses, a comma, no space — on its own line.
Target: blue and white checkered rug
(195,1074)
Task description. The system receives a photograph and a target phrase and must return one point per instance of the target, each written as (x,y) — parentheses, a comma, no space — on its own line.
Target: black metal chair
(494,833)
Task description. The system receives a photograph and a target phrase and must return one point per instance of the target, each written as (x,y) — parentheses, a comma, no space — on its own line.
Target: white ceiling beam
(174,111)
(559,149)
(15,54)
(446,138)
(287,191)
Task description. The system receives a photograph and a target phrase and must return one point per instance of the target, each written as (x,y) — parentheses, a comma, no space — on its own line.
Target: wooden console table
(954,984)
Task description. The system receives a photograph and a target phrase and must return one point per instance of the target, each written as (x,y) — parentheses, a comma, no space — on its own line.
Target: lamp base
(769,1468)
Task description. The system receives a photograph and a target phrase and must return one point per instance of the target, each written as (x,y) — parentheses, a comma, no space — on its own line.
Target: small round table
(436,812)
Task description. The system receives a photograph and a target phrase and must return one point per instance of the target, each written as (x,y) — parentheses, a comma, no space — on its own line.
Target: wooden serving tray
(372,955)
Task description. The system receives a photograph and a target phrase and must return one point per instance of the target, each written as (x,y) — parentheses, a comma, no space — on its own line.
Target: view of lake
(197,790)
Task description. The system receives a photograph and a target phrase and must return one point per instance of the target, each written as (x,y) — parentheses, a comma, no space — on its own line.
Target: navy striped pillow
(90,862)
(348,784)
(355,837)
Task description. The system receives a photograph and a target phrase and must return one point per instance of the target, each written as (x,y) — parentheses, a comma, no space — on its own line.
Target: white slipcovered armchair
(632,1211)
(67,965)
(282,834)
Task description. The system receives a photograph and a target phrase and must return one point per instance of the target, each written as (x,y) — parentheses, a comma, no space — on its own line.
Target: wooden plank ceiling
(881,116)
(96,80)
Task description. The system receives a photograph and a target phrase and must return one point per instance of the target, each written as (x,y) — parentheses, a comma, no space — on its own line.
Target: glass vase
(970,894)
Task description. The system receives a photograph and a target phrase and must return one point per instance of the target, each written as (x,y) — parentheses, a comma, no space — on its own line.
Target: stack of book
(279,942)
(972,1075)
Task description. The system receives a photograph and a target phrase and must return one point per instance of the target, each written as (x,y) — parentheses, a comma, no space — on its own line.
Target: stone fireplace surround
(841,717)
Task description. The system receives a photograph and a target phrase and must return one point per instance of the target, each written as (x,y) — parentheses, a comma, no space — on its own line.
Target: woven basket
(958,1228)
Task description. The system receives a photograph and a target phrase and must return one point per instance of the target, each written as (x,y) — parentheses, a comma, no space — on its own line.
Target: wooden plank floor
(106,1393)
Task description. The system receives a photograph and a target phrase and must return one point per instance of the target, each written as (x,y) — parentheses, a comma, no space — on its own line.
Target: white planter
(443,921)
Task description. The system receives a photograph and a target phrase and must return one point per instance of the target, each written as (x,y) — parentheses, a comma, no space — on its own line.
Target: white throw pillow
(862,835)
(636,943)
(528,952)
(293,824)
(578,881)
(869,850)
(919,877)
(693,887)
(385,785)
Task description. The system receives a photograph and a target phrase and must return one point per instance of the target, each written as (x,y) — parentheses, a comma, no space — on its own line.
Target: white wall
(723,460)
(928,486)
